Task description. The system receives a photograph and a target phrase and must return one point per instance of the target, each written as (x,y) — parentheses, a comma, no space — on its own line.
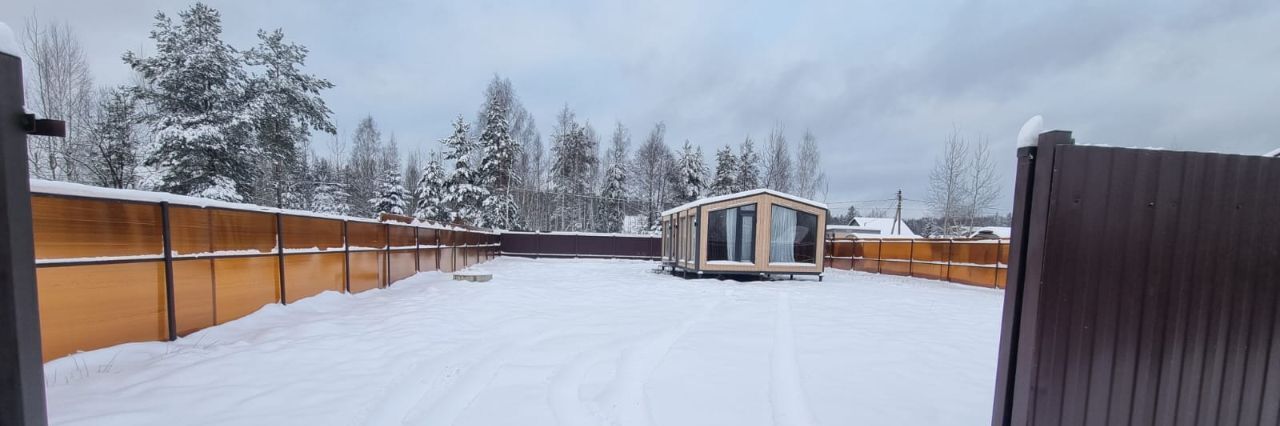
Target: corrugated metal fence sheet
(1150,294)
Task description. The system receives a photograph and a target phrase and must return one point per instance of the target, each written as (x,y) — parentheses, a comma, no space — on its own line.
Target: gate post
(21,362)
(1026,250)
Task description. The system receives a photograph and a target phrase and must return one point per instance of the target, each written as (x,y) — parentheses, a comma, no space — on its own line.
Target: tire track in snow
(468,383)
(422,381)
(625,397)
(786,393)
(564,392)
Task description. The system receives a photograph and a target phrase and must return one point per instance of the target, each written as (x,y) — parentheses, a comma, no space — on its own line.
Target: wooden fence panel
(189,230)
(93,306)
(311,274)
(242,285)
(401,236)
(402,265)
(447,260)
(242,231)
(193,295)
(363,235)
(79,228)
(367,270)
(427,259)
(302,233)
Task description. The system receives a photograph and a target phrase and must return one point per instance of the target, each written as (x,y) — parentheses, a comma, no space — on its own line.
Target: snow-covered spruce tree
(364,168)
(572,161)
(391,193)
(498,155)
(431,192)
(286,106)
(195,85)
(614,192)
(726,172)
(112,159)
(748,167)
(464,192)
(689,175)
(329,195)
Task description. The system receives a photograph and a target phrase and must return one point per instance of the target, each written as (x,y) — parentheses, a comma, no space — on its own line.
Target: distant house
(871,227)
(991,232)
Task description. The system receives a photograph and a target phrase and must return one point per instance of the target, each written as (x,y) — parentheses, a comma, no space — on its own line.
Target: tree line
(204,118)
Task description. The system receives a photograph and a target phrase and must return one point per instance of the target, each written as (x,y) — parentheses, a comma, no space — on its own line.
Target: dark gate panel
(1151,296)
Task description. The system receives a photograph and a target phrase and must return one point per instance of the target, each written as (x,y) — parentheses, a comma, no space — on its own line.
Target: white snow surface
(1275,153)
(8,43)
(746,193)
(565,342)
(1029,135)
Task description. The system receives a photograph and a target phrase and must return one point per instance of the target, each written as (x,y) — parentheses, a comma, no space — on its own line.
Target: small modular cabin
(758,232)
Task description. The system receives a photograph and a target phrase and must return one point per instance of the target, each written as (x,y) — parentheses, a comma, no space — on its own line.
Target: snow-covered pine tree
(689,177)
(113,141)
(391,194)
(498,157)
(614,192)
(726,172)
(195,84)
(748,167)
(431,192)
(464,193)
(285,107)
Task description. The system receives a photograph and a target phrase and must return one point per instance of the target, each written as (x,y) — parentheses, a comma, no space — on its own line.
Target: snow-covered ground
(567,342)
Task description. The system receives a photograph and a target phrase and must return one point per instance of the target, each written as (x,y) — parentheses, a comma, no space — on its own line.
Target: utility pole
(897,217)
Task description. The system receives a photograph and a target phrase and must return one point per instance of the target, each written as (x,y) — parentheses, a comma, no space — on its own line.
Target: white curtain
(730,231)
(746,248)
(782,235)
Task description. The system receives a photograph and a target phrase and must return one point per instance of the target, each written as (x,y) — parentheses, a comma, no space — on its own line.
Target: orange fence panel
(235,230)
(78,228)
(93,306)
(301,233)
(242,285)
(193,295)
(310,274)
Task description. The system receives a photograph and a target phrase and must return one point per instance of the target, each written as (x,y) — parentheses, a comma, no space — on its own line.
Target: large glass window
(731,234)
(793,236)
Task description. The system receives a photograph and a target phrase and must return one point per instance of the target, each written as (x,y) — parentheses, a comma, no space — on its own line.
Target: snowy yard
(568,342)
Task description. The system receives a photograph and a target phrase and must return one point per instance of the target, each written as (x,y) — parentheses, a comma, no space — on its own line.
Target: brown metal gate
(1143,289)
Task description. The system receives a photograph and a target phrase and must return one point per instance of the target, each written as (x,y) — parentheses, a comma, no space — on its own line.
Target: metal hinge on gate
(43,127)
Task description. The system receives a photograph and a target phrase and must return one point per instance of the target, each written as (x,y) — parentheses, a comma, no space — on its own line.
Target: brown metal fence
(975,262)
(571,244)
(111,271)
(1143,289)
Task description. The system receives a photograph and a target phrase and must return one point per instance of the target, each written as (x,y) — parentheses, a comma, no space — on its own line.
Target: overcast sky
(881,84)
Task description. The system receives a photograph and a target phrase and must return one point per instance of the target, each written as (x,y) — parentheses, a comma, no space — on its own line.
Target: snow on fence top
(1030,132)
(41,186)
(742,194)
(1275,153)
(8,44)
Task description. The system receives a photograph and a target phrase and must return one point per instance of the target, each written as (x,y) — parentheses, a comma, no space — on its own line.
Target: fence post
(167,244)
(911,259)
(22,398)
(284,300)
(1020,316)
(951,246)
(346,258)
(880,256)
(386,249)
(417,251)
(439,252)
